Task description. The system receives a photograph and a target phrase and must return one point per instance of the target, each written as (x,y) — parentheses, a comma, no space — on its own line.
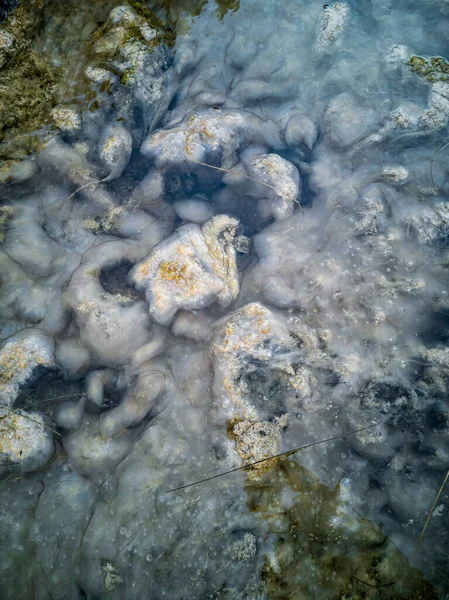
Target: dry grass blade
(198,162)
(33,404)
(280,455)
(418,543)
(26,416)
(421,535)
(95,182)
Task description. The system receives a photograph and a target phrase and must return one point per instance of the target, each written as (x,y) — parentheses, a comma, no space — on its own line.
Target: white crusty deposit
(192,269)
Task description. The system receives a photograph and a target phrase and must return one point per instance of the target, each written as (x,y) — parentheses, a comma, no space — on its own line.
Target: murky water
(224,234)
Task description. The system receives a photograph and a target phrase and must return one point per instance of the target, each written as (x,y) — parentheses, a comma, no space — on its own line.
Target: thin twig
(281,454)
(418,543)
(94,182)
(198,162)
(372,585)
(33,404)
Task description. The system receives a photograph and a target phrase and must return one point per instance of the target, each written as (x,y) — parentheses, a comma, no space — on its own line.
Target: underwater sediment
(224,235)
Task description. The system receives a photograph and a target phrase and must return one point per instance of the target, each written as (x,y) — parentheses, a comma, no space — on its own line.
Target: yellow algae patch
(173,271)
(16,359)
(15,430)
(143,270)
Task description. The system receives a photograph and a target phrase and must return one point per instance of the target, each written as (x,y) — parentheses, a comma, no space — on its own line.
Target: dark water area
(224,236)
(6,6)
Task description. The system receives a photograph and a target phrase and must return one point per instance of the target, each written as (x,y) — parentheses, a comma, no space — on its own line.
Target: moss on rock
(173,9)
(432,69)
(6,212)
(36,76)
(47,45)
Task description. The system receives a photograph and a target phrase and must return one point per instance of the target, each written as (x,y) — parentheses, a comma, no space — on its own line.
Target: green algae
(43,64)
(432,69)
(27,82)
(323,549)
(32,79)
(165,30)
(174,8)
(227,5)
(46,45)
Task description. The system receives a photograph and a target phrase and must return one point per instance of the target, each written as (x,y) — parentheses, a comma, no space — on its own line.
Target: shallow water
(224,235)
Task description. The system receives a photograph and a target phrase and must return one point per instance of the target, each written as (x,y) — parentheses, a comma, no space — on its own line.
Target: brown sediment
(324,551)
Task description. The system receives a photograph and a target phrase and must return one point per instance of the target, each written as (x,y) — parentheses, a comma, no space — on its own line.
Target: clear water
(149,343)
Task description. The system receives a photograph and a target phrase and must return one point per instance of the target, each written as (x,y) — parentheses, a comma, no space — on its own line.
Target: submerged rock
(300,129)
(254,352)
(199,135)
(136,405)
(69,415)
(194,210)
(192,269)
(112,327)
(17,171)
(346,121)
(115,150)
(26,441)
(256,441)
(333,21)
(20,357)
(90,453)
(283,182)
